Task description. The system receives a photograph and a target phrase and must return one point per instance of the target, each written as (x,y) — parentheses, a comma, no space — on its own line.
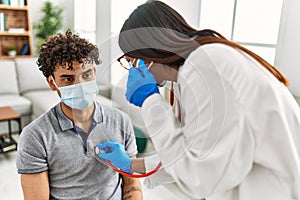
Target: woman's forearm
(138,165)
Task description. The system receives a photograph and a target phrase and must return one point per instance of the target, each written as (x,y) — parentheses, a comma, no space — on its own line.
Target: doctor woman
(238,133)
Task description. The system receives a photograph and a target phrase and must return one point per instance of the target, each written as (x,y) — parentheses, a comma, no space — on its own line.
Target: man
(56,156)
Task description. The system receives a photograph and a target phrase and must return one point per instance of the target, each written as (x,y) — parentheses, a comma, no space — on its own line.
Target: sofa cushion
(42,101)
(8,78)
(29,76)
(20,104)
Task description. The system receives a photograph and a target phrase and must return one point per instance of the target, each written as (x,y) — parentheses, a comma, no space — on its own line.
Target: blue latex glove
(116,154)
(140,85)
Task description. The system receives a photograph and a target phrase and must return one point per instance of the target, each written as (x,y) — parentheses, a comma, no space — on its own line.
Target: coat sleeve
(211,149)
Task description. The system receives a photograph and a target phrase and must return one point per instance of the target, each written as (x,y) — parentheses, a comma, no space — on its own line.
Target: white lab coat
(239,136)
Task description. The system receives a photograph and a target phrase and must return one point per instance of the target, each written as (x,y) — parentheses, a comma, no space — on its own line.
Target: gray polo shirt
(75,172)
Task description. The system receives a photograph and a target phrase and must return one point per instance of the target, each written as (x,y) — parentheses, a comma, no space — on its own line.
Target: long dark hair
(157,32)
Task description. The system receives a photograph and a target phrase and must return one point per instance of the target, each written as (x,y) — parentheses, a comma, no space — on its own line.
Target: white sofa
(10,93)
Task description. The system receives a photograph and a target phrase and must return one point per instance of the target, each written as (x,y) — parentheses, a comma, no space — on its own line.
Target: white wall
(103,39)
(35,13)
(288,53)
(190,10)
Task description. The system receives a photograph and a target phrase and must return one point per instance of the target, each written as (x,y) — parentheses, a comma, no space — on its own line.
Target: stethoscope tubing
(134,175)
(97,150)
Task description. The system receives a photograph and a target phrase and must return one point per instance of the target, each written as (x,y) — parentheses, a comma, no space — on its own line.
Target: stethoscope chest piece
(98,150)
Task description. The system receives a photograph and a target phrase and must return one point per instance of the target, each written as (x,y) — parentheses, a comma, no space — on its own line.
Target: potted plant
(12,51)
(50,23)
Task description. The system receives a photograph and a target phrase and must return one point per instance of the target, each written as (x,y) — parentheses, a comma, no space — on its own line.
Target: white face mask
(79,96)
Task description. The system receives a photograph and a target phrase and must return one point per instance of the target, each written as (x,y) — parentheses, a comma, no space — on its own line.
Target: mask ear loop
(54,82)
(131,63)
(150,65)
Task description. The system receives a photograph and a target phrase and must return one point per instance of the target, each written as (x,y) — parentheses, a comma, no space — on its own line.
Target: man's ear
(51,84)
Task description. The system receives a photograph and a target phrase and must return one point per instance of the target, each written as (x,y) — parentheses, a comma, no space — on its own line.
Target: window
(254,24)
(120,11)
(85,19)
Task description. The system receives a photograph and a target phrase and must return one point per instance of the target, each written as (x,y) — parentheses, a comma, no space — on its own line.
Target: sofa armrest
(8,78)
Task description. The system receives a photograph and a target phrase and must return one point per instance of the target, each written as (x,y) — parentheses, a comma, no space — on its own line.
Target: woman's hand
(116,154)
(140,85)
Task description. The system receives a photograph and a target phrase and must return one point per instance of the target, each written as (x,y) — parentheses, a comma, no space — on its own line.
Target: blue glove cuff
(144,92)
(126,165)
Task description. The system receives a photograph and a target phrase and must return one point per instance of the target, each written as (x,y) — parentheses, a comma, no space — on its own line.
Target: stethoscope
(133,175)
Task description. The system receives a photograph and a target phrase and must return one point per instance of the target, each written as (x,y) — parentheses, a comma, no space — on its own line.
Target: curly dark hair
(62,49)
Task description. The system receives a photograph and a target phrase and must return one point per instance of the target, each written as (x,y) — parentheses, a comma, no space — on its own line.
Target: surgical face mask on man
(79,96)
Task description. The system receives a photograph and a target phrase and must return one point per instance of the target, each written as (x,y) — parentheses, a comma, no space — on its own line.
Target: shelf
(8,146)
(14,57)
(17,32)
(6,7)
(7,33)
